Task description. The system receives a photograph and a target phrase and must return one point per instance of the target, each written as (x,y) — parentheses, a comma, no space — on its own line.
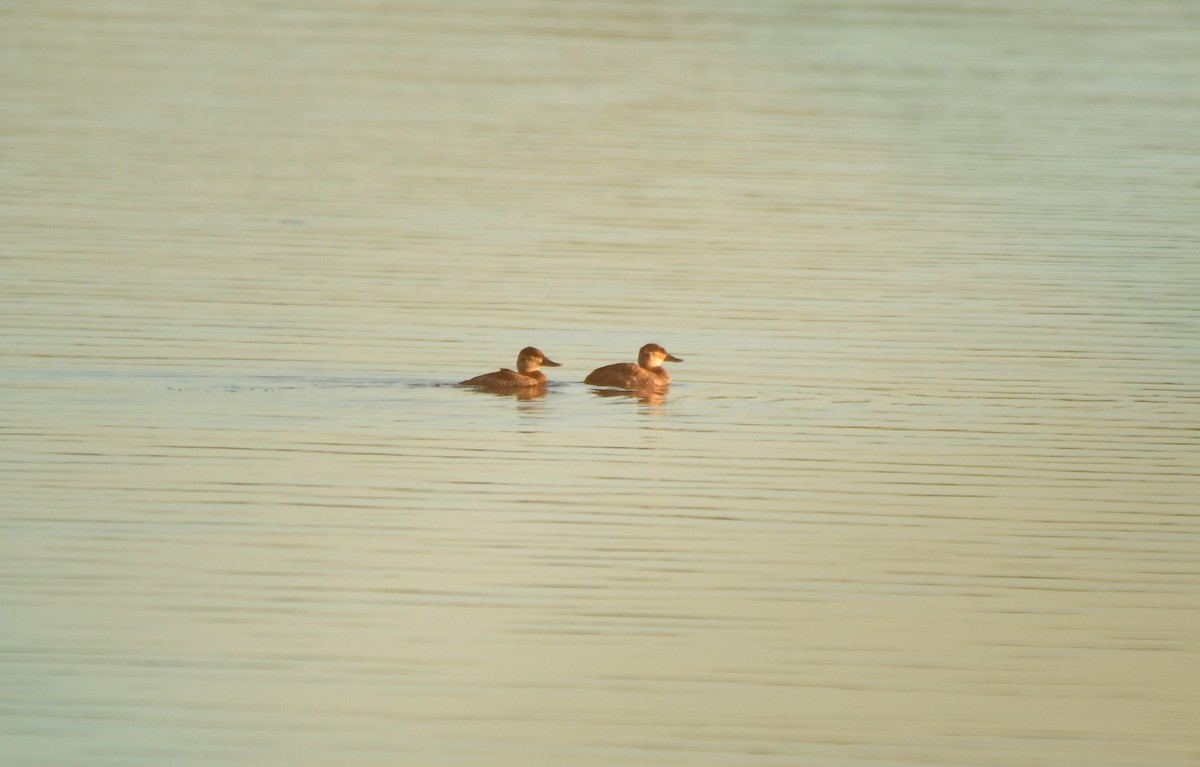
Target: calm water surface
(924,492)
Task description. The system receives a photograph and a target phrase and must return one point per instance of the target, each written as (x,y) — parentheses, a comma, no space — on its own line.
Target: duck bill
(550,363)
(673,358)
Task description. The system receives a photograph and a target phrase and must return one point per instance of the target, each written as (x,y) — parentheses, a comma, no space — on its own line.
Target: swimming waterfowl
(527,374)
(648,373)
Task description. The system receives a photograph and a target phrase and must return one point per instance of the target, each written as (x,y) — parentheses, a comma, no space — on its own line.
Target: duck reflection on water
(653,397)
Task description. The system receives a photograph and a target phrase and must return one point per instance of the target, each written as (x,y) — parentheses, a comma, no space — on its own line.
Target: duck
(648,373)
(527,375)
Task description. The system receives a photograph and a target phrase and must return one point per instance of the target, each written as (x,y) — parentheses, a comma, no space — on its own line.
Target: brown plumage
(648,373)
(526,375)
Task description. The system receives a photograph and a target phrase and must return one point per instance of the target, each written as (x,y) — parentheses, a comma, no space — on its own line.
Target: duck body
(528,374)
(504,379)
(648,373)
(626,375)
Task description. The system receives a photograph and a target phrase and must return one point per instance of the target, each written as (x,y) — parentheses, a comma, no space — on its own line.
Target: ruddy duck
(648,373)
(526,375)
